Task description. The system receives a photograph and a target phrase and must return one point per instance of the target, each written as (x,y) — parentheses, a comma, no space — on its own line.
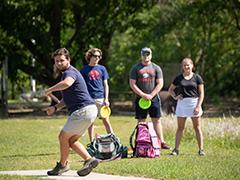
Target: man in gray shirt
(146,80)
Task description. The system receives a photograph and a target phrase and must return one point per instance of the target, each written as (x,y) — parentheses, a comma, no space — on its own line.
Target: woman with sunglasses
(96,77)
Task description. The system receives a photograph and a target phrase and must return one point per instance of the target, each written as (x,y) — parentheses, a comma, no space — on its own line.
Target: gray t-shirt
(146,76)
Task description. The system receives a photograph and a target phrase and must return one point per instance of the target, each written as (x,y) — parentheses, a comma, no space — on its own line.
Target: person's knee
(63,136)
(156,120)
(180,128)
(157,123)
(71,142)
(197,128)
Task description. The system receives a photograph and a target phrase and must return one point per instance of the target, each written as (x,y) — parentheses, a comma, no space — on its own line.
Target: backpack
(107,147)
(147,144)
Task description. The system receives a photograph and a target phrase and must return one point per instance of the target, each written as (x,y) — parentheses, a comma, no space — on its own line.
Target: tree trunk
(4,90)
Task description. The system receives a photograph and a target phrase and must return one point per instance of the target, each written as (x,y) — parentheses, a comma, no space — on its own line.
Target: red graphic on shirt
(94,75)
(146,75)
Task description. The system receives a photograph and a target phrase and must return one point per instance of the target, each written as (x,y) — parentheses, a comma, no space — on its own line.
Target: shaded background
(206,31)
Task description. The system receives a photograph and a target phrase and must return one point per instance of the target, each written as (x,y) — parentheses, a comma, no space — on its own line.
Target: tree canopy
(34,29)
(205,30)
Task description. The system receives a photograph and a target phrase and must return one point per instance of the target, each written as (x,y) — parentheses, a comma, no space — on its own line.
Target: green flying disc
(144,104)
(105,111)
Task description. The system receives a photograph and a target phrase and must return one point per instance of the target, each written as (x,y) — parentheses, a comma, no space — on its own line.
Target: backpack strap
(131,140)
(91,148)
(117,142)
(131,137)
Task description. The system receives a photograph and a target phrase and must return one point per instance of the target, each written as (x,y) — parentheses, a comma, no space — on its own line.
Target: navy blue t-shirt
(94,77)
(76,96)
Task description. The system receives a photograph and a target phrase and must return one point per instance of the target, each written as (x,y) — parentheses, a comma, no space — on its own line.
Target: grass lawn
(31,143)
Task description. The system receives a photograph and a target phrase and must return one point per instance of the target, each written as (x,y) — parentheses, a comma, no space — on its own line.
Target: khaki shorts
(99,104)
(79,121)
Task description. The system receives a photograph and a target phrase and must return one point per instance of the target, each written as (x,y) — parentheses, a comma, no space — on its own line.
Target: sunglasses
(97,56)
(146,54)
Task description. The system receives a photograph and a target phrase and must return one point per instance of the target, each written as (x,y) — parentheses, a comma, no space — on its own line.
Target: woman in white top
(189,101)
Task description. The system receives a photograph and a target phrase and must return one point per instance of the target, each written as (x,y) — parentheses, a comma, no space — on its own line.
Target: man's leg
(157,124)
(64,146)
(89,162)
(158,128)
(91,132)
(107,125)
(141,120)
(79,148)
(63,165)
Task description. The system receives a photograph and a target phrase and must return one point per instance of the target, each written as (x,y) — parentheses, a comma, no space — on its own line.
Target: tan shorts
(99,104)
(79,121)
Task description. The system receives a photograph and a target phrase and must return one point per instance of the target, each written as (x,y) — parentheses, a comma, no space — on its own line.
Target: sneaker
(201,152)
(88,166)
(59,169)
(175,152)
(165,145)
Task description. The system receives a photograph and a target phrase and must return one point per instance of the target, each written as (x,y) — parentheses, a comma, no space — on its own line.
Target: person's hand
(106,103)
(147,96)
(47,92)
(178,97)
(50,110)
(197,110)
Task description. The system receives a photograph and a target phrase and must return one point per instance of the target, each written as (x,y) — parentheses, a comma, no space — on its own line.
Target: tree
(204,30)
(36,28)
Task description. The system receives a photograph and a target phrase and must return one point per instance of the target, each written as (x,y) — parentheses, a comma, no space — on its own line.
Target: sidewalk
(70,175)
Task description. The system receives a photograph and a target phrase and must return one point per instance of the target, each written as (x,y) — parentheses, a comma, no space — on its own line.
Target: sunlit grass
(32,143)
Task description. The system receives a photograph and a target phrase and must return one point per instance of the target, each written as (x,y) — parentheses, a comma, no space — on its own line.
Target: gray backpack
(107,147)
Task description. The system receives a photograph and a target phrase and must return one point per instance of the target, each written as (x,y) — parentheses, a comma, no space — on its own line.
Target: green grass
(31,143)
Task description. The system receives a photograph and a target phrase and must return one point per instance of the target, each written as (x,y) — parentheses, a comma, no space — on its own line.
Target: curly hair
(91,52)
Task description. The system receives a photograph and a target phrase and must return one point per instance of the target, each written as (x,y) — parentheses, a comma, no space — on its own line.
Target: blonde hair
(187,59)
(91,52)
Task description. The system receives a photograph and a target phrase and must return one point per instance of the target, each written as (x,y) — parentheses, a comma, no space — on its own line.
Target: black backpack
(107,147)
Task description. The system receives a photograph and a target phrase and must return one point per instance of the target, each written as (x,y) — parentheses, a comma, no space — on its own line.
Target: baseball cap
(146,50)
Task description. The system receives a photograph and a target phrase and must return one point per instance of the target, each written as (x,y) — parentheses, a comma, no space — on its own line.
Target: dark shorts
(154,110)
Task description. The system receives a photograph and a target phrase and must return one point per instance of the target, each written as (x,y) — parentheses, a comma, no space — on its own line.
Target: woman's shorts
(79,121)
(186,106)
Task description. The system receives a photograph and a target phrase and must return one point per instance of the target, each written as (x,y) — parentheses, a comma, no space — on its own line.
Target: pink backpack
(147,144)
